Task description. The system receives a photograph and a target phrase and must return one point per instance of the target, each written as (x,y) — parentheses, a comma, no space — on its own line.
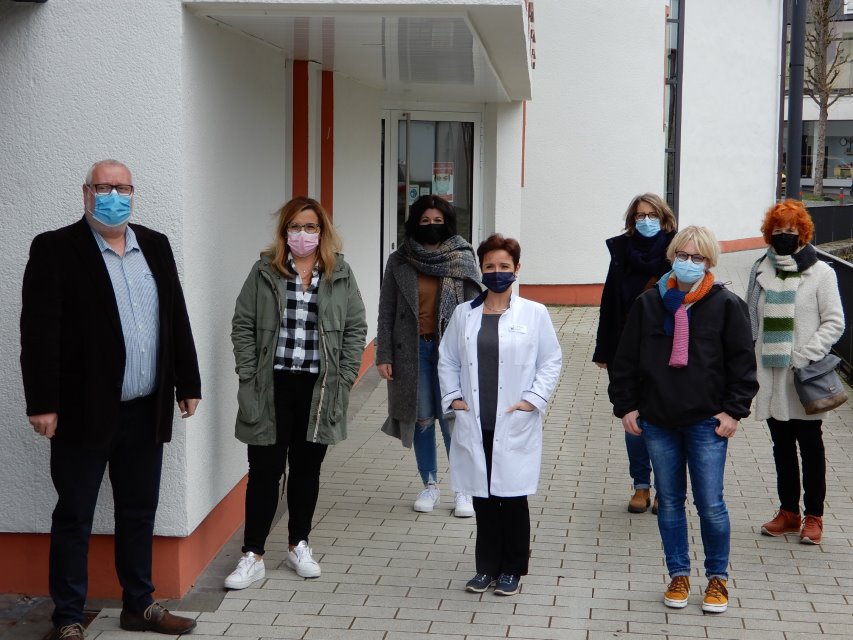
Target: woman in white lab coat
(498,366)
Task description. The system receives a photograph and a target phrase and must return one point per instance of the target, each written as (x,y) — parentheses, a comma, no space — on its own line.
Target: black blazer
(72,346)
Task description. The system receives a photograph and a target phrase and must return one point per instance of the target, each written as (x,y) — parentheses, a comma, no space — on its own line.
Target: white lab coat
(529,367)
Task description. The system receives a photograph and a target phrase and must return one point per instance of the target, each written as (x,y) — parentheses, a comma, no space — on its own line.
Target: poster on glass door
(442,180)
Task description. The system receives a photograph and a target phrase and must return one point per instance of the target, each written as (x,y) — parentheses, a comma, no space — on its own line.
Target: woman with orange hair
(796,317)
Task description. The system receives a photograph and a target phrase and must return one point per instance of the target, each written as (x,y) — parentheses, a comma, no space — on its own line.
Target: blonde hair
(330,241)
(667,218)
(702,237)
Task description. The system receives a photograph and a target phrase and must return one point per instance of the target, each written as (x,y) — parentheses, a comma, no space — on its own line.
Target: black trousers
(134,461)
(267,466)
(503,528)
(786,435)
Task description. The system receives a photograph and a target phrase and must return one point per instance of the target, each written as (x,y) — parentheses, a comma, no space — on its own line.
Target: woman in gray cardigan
(796,316)
(433,270)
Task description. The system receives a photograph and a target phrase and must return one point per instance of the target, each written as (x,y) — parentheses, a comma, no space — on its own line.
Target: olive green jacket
(254,333)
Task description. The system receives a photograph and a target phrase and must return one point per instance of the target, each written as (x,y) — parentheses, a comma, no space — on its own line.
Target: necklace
(493,309)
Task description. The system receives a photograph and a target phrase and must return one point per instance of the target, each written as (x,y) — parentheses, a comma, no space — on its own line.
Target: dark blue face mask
(498,281)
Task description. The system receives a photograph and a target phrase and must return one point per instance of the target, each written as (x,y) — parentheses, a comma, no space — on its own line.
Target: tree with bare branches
(824,61)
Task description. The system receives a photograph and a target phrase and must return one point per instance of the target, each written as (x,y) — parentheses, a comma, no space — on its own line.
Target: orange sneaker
(812,530)
(716,598)
(784,522)
(677,592)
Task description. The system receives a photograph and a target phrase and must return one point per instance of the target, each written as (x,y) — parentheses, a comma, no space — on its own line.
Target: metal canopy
(448,53)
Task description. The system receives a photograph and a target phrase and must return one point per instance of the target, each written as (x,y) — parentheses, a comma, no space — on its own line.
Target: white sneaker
(301,561)
(250,569)
(464,506)
(428,498)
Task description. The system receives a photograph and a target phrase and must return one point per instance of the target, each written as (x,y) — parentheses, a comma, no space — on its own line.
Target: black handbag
(819,386)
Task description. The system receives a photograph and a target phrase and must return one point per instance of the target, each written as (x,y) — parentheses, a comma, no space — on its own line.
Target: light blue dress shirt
(139,310)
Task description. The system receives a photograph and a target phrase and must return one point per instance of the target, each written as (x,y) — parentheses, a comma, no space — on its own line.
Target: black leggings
(786,435)
(503,528)
(267,465)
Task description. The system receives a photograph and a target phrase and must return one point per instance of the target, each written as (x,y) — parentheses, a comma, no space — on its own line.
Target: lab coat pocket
(523,347)
(524,430)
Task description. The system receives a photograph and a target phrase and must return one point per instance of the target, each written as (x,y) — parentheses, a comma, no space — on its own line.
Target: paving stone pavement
(597,571)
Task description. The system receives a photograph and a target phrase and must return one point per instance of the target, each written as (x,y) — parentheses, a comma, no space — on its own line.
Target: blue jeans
(672,451)
(639,465)
(429,408)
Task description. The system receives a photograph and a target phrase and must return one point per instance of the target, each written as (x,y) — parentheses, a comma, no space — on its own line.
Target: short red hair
(788,213)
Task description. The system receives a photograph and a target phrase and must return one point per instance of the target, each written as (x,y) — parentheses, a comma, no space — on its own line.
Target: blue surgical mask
(648,227)
(111,209)
(687,272)
(498,281)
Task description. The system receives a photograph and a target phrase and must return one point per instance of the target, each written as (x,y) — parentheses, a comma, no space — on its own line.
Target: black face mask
(431,233)
(785,243)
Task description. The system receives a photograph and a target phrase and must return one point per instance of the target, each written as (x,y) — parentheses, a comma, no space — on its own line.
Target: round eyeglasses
(695,258)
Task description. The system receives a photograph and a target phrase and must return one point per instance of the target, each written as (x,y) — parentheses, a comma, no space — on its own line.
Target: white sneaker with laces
(300,560)
(464,506)
(428,498)
(250,569)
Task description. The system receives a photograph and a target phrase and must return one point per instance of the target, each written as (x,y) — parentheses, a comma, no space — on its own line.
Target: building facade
(540,120)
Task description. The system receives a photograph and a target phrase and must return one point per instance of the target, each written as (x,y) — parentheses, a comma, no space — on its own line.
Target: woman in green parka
(298,333)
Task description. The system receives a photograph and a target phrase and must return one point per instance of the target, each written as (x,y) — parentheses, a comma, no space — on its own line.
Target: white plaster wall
(75,88)
(234,165)
(508,211)
(729,127)
(357,186)
(594,132)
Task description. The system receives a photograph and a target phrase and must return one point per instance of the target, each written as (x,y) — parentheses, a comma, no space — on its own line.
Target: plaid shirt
(298,347)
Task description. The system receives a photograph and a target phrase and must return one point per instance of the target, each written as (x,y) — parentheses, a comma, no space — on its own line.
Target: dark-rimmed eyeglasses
(102,189)
(310,227)
(643,216)
(695,258)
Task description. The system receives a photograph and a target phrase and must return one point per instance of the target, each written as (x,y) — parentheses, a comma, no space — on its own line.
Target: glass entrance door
(430,153)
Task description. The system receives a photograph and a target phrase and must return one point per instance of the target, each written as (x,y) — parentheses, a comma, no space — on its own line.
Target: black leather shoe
(155,618)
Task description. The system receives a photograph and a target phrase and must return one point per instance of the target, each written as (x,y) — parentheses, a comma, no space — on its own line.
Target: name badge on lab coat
(518,328)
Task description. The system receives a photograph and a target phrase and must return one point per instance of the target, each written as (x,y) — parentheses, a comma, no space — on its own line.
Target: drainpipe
(793,166)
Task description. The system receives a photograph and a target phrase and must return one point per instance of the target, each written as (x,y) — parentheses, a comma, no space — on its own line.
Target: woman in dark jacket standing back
(637,260)
(432,272)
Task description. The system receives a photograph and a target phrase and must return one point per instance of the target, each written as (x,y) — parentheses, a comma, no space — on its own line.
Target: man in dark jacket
(105,343)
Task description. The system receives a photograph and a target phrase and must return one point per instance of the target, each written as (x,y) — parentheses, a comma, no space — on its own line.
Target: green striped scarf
(778,325)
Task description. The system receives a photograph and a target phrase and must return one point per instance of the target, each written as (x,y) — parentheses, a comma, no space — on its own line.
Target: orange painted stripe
(177,561)
(742,244)
(299,160)
(570,294)
(523,138)
(590,294)
(367,359)
(327,141)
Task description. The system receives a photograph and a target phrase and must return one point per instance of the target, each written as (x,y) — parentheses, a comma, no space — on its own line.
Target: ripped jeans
(429,408)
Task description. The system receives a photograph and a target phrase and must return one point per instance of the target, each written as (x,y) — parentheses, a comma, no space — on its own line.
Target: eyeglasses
(643,216)
(103,189)
(309,228)
(695,258)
